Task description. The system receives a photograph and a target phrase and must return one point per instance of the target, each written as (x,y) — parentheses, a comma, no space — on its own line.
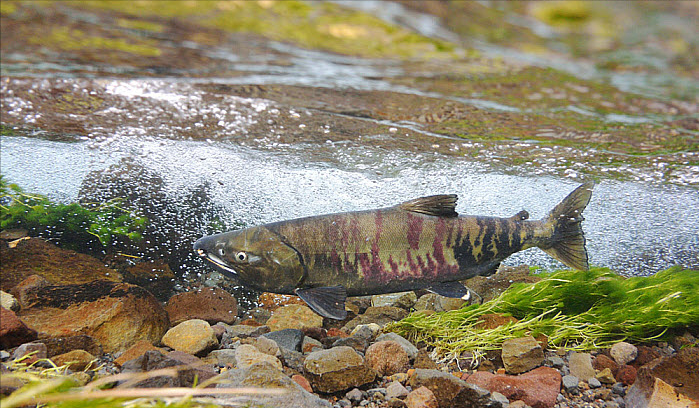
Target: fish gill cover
(578,310)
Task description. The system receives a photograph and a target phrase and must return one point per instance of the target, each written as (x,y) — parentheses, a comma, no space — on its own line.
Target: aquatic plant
(72,225)
(579,310)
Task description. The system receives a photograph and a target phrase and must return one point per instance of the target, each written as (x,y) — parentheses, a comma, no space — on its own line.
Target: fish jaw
(205,248)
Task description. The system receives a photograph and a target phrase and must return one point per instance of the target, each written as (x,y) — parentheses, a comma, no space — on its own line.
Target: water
(629,226)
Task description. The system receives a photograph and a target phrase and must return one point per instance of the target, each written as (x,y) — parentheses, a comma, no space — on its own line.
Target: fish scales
(422,243)
(369,251)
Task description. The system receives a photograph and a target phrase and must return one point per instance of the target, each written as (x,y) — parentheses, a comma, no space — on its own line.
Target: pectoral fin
(451,289)
(326,301)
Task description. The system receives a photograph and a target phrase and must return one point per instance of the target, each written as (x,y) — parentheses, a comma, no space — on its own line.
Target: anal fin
(326,301)
(451,289)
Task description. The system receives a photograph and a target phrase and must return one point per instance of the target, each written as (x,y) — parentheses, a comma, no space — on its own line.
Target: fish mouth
(218,262)
(206,242)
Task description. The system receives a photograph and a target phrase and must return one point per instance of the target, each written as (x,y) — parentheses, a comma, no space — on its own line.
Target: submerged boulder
(115,314)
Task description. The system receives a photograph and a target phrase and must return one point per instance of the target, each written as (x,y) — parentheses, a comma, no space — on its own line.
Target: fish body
(419,244)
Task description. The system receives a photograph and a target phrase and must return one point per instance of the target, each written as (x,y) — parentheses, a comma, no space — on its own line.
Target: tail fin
(568,241)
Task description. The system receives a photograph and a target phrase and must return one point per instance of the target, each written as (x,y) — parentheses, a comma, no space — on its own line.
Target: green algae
(7,7)
(324,26)
(578,310)
(77,40)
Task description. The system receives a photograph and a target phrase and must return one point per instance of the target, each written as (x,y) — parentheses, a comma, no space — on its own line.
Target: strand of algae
(576,310)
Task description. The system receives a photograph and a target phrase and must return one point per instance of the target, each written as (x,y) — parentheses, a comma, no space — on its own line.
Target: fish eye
(241,256)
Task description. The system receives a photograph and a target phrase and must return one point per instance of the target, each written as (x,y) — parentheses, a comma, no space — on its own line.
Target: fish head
(256,257)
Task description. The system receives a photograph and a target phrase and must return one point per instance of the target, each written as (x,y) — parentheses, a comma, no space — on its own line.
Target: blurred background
(203,116)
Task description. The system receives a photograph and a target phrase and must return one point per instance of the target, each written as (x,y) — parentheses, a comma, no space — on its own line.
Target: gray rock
(4,355)
(154,360)
(500,399)
(337,369)
(407,346)
(570,384)
(379,315)
(555,362)
(619,389)
(623,352)
(594,383)
(290,339)
(580,365)
(404,300)
(358,343)
(396,390)
(355,395)
(521,354)
(39,350)
(267,377)
(224,357)
(293,359)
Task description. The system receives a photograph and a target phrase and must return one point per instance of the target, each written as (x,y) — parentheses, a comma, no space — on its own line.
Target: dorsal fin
(443,205)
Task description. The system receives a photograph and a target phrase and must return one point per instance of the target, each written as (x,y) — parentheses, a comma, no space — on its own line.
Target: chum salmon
(419,244)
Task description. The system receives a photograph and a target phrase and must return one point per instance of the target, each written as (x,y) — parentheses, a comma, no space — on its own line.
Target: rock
(211,304)
(657,393)
(193,336)
(396,390)
(537,388)
(241,330)
(76,360)
(437,303)
(267,346)
(423,360)
(450,390)
(302,381)
(500,399)
(594,383)
(379,315)
(138,349)
(25,291)
(62,345)
(219,330)
(581,365)
(644,356)
(626,374)
(58,266)
(337,369)
(355,395)
(196,372)
(601,361)
(38,350)
(680,372)
(555,362)
(623,352)
(387,358)
(605,376)
(294,317)
(317,333)
(570,384)
(407,346)
(490,287)
(266,376)
(403,300)
(154,276)
(358,343)
(521,354)
(293,359)
(8,301)
(494,320)
(247,355)
(290,339)
(13,331)
(273,301)
(310,345)
(366,331)
(115,314)
(422,397)
(223,357)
